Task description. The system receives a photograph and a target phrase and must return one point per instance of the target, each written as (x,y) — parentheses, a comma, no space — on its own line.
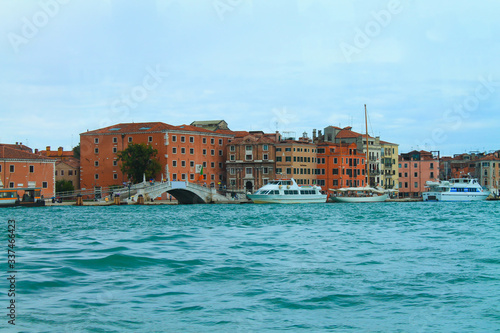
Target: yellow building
(389,165)
(297,159)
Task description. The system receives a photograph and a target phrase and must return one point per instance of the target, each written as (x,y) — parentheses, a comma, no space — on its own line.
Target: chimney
(314,134)
(59,151)
(47,148)
(36,150)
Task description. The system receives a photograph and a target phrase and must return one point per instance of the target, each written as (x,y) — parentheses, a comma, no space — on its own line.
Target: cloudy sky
(427,70)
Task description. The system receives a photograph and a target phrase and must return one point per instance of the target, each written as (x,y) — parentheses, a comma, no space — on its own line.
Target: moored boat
(287,191)
(457,189)
(21,196)
(359,194)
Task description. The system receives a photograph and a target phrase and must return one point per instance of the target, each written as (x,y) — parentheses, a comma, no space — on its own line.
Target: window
(191,164)
(183,163)
(212,164)
(278,158)
(183,176)
(248,147)
(415,165)
(248,157)
(220,142)
(212,141)
(231,148)
(183,150)
(96,140)
(432,166)
(174,150)
(56,172)
(288,149)
(204,164)
(220,152)
(278,171)
(115,149)
(432,175)
(0,168)
(232,171)
(70,172)
(115,162)
(96,163)
(212,177)
(212,152)
(266,147)
(191,139)
(11,184)
(191,151)
(278,149)
(129,139)
(288,158)
(150,139)
(174,163)
(289,171)
(174,176)
(115,176)
(191,176)
(204,140)
(335,160)
(204,151)
(62,172)
(231,157)
(265,156)
(416,174)
(248,171)
(183,139)
(416,184)
(115,140)
(96,176)
(32,168)
(265,170)
(406,184)
(96,150)
(45,184)
(174,138)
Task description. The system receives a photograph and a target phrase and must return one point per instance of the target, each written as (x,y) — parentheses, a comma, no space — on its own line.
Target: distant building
(250,161)
(212,125)
(20,167)
(487,171)
(416,168)
(182,152)
(67,166)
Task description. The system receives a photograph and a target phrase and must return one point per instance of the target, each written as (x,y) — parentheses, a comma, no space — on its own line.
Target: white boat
(359,194)
(457,189)
(287,191)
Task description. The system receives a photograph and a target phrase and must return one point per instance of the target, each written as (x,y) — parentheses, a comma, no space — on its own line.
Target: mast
(367,154)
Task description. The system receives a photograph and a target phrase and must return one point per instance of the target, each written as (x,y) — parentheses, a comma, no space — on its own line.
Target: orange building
(182,152)
(297,159)
(19,167)
(67,166)
(340,165)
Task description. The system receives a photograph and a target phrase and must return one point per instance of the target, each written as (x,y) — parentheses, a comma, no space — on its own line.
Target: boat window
(7,194)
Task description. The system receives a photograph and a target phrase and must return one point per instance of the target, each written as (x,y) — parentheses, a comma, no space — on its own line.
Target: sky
(428,71)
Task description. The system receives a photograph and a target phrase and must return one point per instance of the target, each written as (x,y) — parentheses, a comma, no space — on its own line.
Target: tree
(64,186)
(76,151)
(139,159)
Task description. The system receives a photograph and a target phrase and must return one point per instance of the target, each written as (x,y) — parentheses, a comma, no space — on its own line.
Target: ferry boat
(287,191)
(359,194)
(458,189)
(21,196)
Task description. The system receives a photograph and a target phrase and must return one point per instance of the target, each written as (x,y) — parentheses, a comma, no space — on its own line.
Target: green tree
(139,159)
(76,151)
(64,186)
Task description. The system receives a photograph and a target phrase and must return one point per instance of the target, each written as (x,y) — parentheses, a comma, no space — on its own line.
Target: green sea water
(383,267)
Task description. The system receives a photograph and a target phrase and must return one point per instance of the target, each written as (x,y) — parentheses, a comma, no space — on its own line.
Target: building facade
(416,168)
(340,165)
(19,167)
(67,166)
(389,177)
(184,152)
(250,161)
(297,159)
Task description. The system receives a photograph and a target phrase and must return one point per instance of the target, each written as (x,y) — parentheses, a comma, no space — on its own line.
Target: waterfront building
(389,176)
(250,161)
(20,167)
(297,159)
(347,136)
(487,171)
(185,153)
(67,166)
(340,165)
(415,168)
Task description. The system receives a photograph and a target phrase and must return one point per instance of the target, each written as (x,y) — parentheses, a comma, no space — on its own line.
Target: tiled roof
(252,139)
(7,152)
(55,153)
(347,133)
(132,128)
(237,134)
(17,146)
(72,162)
(193,129)
(388,143)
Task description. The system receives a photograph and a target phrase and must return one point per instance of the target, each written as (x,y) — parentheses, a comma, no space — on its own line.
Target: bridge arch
(186,196)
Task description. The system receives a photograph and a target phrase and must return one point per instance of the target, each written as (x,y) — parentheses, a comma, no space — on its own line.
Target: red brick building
(182,152)
(340,165)
(19,167)
(67,166)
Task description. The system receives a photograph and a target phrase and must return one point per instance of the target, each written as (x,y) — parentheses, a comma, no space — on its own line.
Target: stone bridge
(184,192)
